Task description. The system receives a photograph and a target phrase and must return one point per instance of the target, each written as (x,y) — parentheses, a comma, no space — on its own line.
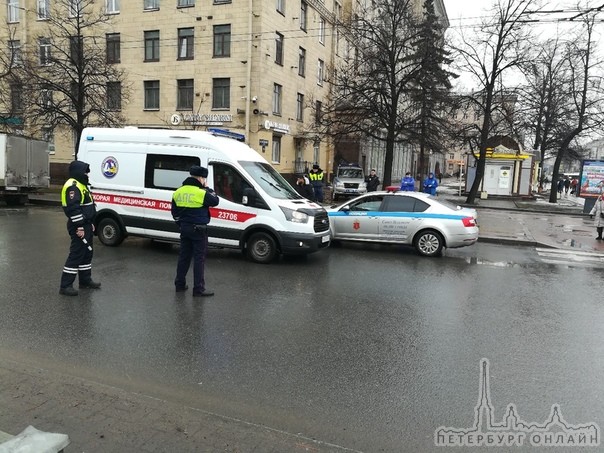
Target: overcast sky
(466,13)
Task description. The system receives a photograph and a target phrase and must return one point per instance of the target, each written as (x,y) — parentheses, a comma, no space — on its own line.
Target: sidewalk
(532,222)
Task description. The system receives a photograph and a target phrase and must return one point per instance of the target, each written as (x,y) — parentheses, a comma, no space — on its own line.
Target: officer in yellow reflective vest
(190,209)
(80,210)
(316,180)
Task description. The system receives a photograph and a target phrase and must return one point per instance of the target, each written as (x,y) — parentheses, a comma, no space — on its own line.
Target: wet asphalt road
(368,348)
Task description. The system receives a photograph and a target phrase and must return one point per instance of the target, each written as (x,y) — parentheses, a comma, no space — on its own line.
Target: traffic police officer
(80,210)
(190,209)
(316,180)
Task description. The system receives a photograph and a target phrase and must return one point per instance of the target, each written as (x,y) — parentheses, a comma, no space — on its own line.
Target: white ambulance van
(134,172)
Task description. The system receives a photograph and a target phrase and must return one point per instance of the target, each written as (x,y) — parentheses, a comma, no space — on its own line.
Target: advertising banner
(592,179)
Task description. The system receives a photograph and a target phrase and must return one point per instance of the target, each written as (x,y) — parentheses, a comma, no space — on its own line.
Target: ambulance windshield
(270,180)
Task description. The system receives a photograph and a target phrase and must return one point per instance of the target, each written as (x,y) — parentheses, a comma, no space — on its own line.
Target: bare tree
(495,48)
(370,92)
(584,91)
(545,98)
(11,81)
(73,82)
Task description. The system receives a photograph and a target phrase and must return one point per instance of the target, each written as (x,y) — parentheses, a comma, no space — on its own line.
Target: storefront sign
(277,127)
(201,119)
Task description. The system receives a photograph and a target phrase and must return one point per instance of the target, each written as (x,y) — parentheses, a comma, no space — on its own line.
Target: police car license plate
(325,238)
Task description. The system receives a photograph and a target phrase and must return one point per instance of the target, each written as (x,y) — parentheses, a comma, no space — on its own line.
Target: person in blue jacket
(430,184)
(408,183)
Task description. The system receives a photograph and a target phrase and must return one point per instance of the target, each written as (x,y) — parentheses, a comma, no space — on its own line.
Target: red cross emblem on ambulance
(356,225)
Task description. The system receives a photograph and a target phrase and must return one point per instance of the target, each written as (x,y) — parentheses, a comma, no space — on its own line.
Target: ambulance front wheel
(261,248)
(109,232)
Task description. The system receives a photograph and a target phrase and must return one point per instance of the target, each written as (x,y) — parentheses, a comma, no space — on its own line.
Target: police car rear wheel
(261,248)
(429,243)
(109,232)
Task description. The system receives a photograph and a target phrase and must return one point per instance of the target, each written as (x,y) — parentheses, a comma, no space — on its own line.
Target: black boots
(599,229)
(69,291)
(90,285)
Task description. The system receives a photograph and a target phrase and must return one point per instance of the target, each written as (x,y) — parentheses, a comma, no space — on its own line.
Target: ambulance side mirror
(249,196)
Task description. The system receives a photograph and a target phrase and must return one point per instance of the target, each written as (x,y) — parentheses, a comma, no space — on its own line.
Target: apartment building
(254,70)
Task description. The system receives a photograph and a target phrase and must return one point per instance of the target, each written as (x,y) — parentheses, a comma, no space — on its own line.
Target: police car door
(358,219)
(399,220)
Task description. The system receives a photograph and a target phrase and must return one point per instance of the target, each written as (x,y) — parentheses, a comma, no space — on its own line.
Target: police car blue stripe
(415,215)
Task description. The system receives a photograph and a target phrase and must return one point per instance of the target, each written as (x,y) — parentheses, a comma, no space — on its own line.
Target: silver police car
(412,218)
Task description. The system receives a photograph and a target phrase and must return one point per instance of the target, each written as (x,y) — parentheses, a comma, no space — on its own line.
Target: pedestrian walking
(372,181)
(316,176)
(566,186)
(573,186)
(408,183)
(304,188)
(430,184)
(190,210)
(440,178)
(597,213)
(78,205)
(560,186)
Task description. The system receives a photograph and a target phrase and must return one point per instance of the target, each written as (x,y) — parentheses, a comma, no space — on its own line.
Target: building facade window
(46,97)
(221,93)
(13,10)
(184,96)
(75,8)
(322,30)
(300,107)
(114,95)
(302,62)
(316,151)
(152,45)
(279,49)
(185,3)
(113,47)
(303,15)
(151,5)
(112,6)
(16,97)
(43,9)
(276,154)
(318,112)
(320,71)
(185,44)
(281,6)
(277,93)
(76,48)
(74,93)
(44,51)
(14,51)
(222,40)
(151,94)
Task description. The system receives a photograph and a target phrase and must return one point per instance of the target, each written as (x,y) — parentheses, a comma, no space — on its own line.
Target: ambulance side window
(228,182)
(167,172)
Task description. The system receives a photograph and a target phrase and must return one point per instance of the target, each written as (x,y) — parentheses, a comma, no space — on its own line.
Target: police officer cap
(315,166)
(196,170)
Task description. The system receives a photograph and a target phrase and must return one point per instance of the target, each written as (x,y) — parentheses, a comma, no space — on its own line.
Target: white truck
(24,168)
(134,172)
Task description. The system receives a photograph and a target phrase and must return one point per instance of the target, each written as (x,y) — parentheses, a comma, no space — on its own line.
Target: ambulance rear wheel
(261,248)
(109,232)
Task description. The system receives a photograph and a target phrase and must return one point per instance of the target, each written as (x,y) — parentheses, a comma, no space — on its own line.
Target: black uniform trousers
(193,244)
(79,261)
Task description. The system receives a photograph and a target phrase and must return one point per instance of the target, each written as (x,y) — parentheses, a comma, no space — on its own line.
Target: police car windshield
(270,180)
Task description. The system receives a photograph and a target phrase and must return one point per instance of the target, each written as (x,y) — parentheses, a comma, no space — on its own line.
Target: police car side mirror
(345,209)
(249,196)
